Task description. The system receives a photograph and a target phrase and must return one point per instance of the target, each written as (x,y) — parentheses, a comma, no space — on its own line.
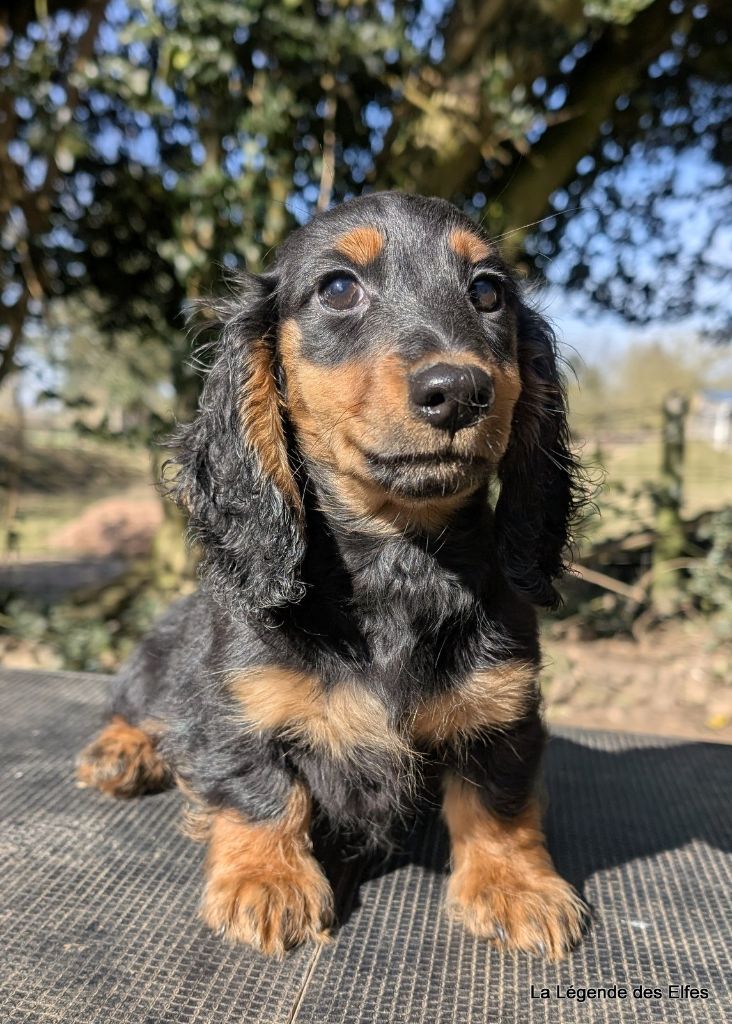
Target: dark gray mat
(98,899)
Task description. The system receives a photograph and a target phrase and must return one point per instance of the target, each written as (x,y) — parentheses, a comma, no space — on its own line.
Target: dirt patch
(122,525)
(677,681)
(18,653)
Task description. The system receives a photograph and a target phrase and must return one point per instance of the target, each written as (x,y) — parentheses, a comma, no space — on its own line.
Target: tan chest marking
(488,699)
(348,718)
(341,721)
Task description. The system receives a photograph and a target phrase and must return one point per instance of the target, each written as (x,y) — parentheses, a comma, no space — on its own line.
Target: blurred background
(148,147)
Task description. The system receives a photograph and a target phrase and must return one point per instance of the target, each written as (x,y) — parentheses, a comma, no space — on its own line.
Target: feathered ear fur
(540,483)
(233,475)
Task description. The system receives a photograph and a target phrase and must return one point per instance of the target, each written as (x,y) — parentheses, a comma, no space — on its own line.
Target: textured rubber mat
(98,898)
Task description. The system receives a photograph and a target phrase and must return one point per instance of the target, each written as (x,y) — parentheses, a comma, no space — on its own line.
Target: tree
(147,146)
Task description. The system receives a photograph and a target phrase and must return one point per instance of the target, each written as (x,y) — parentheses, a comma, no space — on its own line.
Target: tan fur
(263,885)
(123,761)
(197,815)
(369,509)
(361,245)
(340,412)
(494,432)
(503,884)
(342,721)
(468,246)
(507,385)
(488,699)
(261,419)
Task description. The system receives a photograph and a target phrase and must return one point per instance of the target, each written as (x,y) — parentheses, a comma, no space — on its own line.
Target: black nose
(451,397)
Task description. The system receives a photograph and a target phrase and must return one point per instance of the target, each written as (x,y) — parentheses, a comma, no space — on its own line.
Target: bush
(710,578)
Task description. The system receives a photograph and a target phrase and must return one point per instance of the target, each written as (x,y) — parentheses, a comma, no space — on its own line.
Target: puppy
(366,610)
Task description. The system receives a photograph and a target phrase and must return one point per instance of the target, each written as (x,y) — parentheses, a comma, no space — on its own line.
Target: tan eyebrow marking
(362,245)
(467,245)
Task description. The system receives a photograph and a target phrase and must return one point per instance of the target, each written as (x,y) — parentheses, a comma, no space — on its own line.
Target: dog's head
(388,360)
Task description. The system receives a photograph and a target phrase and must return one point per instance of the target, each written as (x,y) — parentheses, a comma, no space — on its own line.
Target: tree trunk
(670,540)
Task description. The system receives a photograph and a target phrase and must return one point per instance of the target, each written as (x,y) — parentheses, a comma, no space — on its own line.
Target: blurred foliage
(703,587)
(148,145)
(710,578)
(115,387)
(90,631)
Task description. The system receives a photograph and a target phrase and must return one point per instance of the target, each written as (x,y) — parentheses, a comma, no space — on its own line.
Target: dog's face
(388,358)
(398,342)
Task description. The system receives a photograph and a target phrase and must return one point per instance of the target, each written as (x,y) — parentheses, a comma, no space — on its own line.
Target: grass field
(62,475)
(629,470)
(58,476)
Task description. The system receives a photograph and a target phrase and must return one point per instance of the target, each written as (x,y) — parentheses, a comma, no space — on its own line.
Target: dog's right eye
(342,292)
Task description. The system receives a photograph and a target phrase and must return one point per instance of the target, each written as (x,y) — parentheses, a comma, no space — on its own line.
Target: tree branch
(441,145)
(36,206)
(327,173)
(467,30)
(613,67)
(15,320)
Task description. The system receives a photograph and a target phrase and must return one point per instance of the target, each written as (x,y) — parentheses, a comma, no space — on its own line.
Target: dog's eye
(486,294)
(342,292)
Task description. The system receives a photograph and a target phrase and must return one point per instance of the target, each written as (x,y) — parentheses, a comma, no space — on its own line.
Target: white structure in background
(711,418)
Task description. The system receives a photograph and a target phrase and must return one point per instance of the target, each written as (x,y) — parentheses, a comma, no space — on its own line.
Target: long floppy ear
(540,478)
(232,472)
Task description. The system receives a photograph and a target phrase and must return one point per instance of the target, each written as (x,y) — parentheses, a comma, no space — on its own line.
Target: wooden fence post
(670,540)
(11,536)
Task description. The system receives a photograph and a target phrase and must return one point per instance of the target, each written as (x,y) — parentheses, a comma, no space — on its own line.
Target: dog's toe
(541,915)
(270,913)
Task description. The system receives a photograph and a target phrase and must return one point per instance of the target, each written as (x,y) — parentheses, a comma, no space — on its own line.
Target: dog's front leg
(503,884)
(263,885)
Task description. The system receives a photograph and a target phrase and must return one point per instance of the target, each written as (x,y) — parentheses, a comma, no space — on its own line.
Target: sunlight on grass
(61,475)
(630,472)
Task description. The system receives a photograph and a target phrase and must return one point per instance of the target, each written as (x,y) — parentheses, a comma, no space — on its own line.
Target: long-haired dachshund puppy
(365,611)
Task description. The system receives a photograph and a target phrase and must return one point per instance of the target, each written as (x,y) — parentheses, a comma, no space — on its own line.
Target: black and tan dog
(364,612)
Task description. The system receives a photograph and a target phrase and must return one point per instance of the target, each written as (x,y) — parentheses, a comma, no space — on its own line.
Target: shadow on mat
(606,808)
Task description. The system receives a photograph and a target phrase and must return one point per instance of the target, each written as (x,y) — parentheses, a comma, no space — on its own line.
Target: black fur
(250,539)
(540,478)
(405,616)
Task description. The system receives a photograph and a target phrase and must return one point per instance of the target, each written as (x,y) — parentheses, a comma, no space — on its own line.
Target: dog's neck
(386,566)
(357,579)
(398,607)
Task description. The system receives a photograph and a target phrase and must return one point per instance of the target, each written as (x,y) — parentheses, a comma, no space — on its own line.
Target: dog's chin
(427,478)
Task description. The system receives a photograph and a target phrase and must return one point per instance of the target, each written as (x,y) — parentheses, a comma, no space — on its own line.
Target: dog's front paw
(536,912)
(271,907)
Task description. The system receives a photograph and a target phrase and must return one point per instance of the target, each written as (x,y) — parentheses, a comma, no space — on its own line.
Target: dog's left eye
(342,292)
(486,294)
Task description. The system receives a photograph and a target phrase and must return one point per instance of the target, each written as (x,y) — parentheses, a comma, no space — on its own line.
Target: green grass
(59,475)
(62,475)
(631,469)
